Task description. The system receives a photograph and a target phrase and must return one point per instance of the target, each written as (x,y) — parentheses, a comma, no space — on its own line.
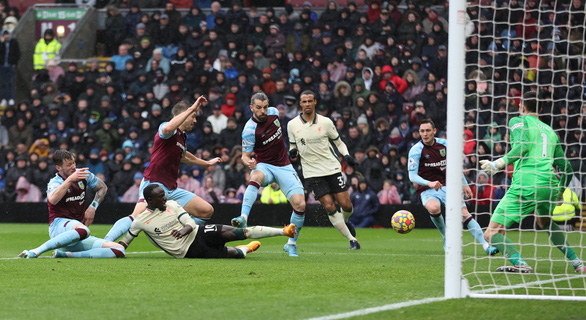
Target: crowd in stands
(377,70)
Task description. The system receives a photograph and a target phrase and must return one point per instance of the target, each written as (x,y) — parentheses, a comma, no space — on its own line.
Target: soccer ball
(403,221)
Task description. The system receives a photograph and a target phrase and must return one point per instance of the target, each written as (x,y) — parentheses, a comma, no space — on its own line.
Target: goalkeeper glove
(492,167)
(349,160)
(293,153)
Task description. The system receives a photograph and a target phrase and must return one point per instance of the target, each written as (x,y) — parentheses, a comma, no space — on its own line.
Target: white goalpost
(496,52)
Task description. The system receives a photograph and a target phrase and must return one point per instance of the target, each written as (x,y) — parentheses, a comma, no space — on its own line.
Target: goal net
(513,47)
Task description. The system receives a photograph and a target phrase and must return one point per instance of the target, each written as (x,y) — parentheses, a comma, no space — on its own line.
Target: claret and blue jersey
(266,139)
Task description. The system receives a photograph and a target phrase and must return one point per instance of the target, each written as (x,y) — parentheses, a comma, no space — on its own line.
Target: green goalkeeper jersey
(535,148)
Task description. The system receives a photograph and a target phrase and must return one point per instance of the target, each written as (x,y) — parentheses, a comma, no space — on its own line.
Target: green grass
(326,279)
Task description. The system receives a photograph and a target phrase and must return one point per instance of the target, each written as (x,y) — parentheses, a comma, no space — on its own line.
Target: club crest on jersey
(277,123)
(443,152)
(80,184)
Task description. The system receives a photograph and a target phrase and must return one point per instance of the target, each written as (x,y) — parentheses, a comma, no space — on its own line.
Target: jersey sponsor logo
(80,184)
(76,198)
(435,164)
(276,135)
(180,145)
(443,152)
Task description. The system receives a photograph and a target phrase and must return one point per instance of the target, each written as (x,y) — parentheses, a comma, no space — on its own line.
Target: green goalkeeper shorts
(519,203)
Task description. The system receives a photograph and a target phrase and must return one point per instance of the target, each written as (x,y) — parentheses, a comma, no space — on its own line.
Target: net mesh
(513,47)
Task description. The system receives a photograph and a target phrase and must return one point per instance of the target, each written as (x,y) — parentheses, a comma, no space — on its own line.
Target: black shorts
(208,243)
(320,186)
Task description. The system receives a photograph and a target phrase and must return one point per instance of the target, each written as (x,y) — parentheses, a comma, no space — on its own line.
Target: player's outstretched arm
(190,158)
(174,123)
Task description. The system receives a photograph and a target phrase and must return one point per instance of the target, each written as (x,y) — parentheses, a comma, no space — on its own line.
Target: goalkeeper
(535,187)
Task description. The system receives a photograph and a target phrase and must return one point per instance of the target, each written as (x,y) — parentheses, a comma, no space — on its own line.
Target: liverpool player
(170,228)
(68,217)
(427,168)
(168,151)
(263,135)
(309,138)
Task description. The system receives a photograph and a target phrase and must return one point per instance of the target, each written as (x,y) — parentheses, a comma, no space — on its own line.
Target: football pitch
(392,276)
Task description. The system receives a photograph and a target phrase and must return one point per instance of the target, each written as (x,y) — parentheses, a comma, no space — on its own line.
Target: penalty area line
(386,307)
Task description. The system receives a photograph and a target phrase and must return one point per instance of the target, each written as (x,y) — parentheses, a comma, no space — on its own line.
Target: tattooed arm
(100,189)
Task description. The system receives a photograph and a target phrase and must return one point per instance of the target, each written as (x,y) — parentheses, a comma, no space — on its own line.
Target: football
(403,221)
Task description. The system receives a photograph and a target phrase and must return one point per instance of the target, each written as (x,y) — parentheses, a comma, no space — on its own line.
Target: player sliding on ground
(68,217)
(171,229)
(427,168)
(535,187)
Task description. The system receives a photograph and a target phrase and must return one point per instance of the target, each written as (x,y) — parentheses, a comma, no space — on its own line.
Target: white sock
(337,220)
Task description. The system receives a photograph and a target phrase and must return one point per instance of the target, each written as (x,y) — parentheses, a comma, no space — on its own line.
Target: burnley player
(68,218)
(535,186)
(309,138)
(170,228)
(263,135)
(168,151)
(427,168)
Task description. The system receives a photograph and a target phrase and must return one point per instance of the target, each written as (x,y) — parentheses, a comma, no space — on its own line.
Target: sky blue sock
(200,221)
(439,224)
(298,220)
(100,253)
(59,241)
(476,231)
(249,199)
(119,228)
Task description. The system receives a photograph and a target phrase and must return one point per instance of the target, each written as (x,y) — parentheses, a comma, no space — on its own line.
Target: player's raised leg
(476,231)
(434,209)
(256,180)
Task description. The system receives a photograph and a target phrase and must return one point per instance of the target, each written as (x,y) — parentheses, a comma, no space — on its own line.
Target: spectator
(114,30)
(187,182)
(389,194)
(123,179)
(131,194)
(365,203)
(121,58)
(194,17)
(161,62)
(47,48)
(26,191)
(208,192)
(20,169)
(9,56)
(108,136)
(40,147)
(218,120)
(231,135)
(20,132)
(230,196)
(482,190)
(272,195)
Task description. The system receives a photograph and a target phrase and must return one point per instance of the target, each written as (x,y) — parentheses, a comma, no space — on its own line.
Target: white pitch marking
(386,307)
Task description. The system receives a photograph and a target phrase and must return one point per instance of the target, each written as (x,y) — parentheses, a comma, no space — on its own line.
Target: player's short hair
(427,120)
(148,191)
(180,107)
(261,96)
(530,101)
(309,93)
(61,155)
